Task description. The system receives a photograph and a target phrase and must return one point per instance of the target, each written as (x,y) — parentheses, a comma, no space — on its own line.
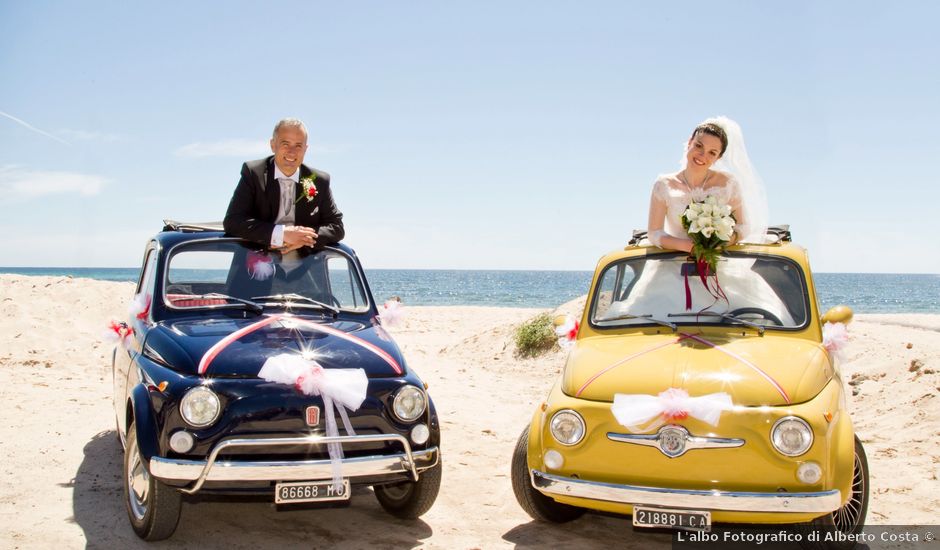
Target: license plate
(309,491)
(692,520)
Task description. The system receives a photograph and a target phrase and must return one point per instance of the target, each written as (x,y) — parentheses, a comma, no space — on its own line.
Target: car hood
(182,344)
(770,370)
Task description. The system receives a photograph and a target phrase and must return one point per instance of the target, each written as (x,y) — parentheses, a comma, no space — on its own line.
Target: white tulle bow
(340,388)
(260,266)
(835,338)
(391,313)
(635,411)
(567,332)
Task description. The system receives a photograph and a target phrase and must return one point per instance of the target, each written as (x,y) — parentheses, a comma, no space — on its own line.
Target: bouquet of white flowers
(710,224)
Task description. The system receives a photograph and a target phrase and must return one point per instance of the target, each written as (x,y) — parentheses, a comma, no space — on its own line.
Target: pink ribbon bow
(634,410)
(340,388)
(567,332)
(117,332)
(835,338)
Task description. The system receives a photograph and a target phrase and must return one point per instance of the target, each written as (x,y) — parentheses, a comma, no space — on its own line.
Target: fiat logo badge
(672,441)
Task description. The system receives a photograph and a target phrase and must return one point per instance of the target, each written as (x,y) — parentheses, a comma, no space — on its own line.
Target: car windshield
(229,273)
(761,291)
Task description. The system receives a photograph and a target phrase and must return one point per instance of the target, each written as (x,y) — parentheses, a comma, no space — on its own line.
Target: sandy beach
(60,475)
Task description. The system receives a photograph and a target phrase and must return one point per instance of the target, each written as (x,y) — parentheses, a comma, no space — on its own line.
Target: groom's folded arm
(241,218)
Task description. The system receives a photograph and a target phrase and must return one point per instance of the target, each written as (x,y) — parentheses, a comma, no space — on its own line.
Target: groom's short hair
(288,123)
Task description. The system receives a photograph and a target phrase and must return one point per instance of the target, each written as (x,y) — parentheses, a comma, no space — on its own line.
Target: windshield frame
(367,309)
(807,304)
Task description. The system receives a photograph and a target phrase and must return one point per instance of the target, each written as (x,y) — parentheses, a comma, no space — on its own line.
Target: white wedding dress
(660,289)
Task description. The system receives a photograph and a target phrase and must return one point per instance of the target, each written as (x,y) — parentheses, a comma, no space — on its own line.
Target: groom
(282,203)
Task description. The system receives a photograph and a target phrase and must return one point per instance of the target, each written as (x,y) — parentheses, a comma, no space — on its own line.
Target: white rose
(707,231)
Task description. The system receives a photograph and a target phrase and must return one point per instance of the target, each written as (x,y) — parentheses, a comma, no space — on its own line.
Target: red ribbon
(701,340)
(224,342)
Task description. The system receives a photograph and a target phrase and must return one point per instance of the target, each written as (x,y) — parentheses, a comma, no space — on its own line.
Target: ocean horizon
(863,292)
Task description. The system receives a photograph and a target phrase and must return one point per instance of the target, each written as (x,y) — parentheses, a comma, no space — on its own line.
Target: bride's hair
(712,129)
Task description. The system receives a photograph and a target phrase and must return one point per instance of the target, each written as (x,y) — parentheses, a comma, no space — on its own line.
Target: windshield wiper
(726,317)
(647,317)
(215,295)
(309,302)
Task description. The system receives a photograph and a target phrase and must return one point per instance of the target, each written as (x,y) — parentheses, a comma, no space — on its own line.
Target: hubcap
(138,482)
(398,491)
(847,518)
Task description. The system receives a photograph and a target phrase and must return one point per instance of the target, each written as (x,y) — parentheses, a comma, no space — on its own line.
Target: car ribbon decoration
(634,410)
(835,338)
(340,389)
(212,352)
(260,266)
(697,338)
(567,332)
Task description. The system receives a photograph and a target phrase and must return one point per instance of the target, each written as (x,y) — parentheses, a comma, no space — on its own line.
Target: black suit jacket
(253,209)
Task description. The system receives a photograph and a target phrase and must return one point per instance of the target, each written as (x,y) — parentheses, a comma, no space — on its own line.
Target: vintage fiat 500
(684,404)
(243,371)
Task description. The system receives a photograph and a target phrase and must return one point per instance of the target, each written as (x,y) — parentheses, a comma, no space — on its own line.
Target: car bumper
(817,502)
(214,469)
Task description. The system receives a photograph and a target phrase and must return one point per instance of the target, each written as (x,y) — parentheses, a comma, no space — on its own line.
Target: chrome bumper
(407,462)
(821,502)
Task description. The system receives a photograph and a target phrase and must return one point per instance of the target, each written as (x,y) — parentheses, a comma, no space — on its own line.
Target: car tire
(152,507)
(850,518)
(410,499)
(537,505)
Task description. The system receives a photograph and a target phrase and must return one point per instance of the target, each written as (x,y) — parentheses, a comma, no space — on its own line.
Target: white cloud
(225,148)
(21,183)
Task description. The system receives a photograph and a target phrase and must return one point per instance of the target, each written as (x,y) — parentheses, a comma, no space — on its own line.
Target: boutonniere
(309,188)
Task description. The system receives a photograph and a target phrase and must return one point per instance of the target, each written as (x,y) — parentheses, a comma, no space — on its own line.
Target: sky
(467,135)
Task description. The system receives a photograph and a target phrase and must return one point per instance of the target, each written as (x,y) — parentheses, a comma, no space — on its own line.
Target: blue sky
(490,135)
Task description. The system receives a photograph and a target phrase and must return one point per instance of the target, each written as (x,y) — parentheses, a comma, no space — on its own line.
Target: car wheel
(410,499)
(850,518)
(537,505)
(152,507)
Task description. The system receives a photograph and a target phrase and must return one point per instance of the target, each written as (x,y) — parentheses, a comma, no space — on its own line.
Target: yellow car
(688,400)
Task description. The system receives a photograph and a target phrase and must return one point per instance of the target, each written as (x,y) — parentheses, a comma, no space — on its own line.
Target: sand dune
(60,477)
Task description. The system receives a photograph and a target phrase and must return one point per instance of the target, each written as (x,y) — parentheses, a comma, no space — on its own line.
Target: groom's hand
(296,236)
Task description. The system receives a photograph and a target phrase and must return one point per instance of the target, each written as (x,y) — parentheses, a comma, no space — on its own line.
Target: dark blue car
(249,372)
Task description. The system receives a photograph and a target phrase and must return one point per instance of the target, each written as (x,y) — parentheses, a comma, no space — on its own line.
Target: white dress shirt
(286,207)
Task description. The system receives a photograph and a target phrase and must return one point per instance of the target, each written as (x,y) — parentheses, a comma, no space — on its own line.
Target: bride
(716,142)
(716,164)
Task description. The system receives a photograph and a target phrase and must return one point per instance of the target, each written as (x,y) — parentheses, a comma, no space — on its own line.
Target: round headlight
(409,403)
(567,427)
(200,406)
(791,436)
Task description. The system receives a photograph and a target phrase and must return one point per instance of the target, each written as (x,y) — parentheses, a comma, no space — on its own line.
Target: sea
(863,292)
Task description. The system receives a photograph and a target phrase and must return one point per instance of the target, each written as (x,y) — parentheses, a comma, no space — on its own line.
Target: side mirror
(838,314)
(559,320)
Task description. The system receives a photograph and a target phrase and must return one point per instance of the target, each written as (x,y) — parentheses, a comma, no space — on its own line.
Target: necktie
(287,195)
